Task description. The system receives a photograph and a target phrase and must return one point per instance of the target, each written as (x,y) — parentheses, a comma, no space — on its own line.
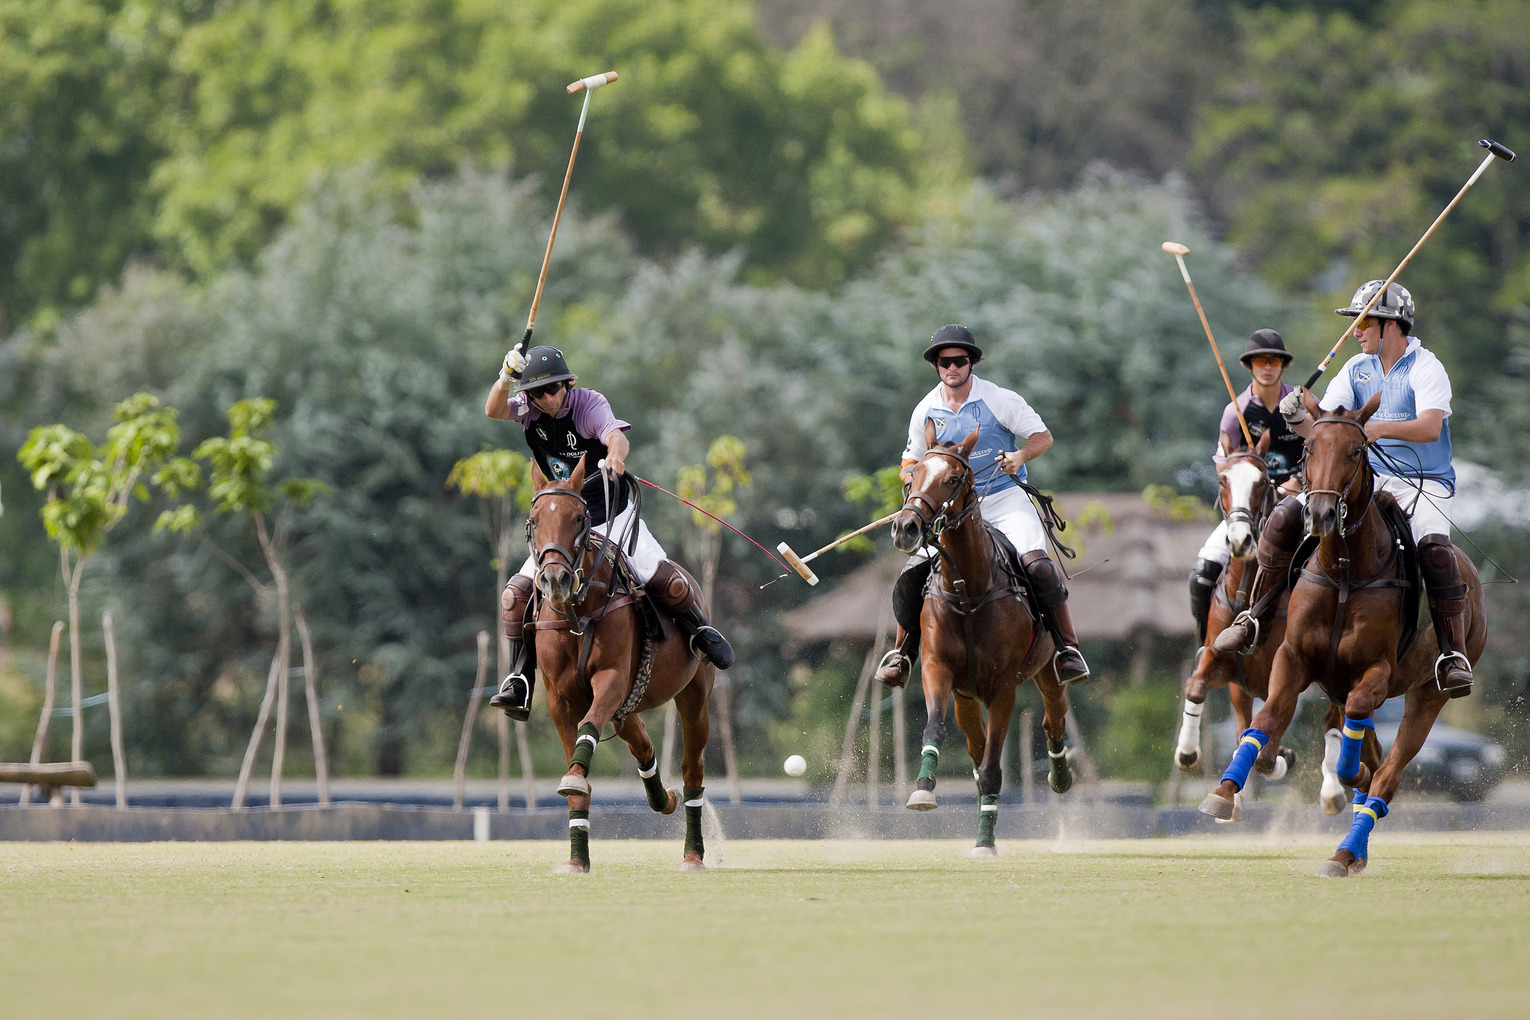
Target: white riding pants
(645,559)
(1012,512)
(1425,512)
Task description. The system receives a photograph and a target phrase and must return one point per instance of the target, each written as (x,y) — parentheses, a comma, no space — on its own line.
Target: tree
(239,469)
(89,490)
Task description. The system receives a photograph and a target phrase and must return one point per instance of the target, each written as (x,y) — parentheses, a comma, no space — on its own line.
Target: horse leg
(635,734)
(609,690)
(1331,796)
(695,727)
(990,771)
(1287,679)
(578,803)
(936,678)
(1187,751)
(1054,722)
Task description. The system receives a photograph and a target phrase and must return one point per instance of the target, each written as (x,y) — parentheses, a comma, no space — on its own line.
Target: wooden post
(528,780)
(900,747)
(874,752)
(114,710)
(279,744)
(1085,763)
(724,700)
(242,787)
(1027,753)
(465,743)
(847,747)
(667,746)
(50,693)
(315,717)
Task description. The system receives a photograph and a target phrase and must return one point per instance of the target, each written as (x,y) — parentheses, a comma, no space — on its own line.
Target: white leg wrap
(1332,794)
(1190,729)
(1280,768)
(652,771)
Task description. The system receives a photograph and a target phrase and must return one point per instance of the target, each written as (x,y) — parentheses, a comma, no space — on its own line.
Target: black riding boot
(908,603)
(1052,596)
(1447,607)
(671,588)
(515,690)
(1203,585)
(1278,542)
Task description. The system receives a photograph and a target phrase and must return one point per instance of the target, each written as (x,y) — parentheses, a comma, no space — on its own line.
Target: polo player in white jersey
(1010,434)
(1411,456)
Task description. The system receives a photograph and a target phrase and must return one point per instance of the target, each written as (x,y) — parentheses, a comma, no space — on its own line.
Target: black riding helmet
(953,336)
(544,365)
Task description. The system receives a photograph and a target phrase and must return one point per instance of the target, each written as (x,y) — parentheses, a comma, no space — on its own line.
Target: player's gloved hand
(515,364)
(1291,407)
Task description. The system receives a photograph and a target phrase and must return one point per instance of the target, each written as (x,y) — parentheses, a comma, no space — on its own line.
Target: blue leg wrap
(1349,748)
(1367,814)
(1250,743)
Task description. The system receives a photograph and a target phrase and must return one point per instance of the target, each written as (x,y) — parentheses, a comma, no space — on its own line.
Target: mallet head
(594,81)
(1175,248)
(796,563)
(1498,149)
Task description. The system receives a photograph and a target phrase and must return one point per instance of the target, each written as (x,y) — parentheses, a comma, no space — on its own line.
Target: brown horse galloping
(1342,633)
(979,640)
(601,664)
(1247,497)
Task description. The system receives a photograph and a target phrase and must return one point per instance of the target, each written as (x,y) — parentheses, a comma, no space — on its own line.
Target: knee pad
(513,601)
(1435,553)
(1046,580)
(1283,528)
(1206,574)
(908,594)
(669,586)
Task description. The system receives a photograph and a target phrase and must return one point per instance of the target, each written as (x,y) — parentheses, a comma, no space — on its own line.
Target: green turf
(1183,928)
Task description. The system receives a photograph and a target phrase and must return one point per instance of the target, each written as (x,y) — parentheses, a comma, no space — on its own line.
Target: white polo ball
(796,765)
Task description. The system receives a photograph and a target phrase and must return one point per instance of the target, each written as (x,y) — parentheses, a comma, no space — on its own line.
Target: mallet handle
(845,538)
(568,175)
(1179,252)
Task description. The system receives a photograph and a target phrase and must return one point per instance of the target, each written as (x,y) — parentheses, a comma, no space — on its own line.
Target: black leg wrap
(1203,585)
(694,802)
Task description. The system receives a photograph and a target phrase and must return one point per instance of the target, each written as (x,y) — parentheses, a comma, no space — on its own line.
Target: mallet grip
(1498,149)
(595,81)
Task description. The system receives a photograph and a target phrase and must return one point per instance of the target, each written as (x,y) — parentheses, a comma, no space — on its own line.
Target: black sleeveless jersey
(1286,447)
(557,447)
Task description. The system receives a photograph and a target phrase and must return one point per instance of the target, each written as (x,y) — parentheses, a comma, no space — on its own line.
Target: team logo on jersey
(940,423)
(573,441)
(1362,377)
(560,469)
(542,434)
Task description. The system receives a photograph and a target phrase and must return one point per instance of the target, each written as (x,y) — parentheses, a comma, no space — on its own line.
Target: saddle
(1009,563)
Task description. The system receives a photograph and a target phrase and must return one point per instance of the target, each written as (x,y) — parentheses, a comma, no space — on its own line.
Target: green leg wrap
(658,797)
(988,816)
(927,762)
(579,837)
(693,803)
(584,747)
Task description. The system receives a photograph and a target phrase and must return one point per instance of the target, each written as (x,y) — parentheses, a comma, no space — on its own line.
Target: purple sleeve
(1229,428)
(520,409)
(592,414)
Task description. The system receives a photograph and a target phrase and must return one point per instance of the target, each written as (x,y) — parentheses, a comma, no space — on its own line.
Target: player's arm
(1035,445)
(617,449)
(498,404)
(1423,429)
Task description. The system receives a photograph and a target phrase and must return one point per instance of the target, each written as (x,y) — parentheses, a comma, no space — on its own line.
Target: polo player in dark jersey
(563,423)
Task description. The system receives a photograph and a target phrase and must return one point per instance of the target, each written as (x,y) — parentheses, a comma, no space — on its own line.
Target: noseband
(932,513)
(571,557)
(1343,494)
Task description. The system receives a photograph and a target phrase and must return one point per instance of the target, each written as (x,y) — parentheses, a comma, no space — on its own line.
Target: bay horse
(979,640)
(1247,495)
(1343,623)
(601,663)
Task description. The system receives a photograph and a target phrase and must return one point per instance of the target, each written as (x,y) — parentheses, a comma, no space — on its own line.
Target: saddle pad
(1408,567)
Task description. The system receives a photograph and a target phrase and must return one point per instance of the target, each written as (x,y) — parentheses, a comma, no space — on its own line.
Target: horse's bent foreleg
(692,703)
(937,691)
(969,717)
(1358,728)
(1287,679)
(635,734)
(1054,722)
(990,770)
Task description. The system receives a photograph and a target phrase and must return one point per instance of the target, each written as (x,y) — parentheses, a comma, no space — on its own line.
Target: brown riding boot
(670,588)
(515,690)
(1447,608)
(1277,545)
(907,604)
(1052,596)
(899,661)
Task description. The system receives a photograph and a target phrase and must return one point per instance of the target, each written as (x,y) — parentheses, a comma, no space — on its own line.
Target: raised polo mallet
(1496,150)
(585,85)
(800,563)
(1179,252)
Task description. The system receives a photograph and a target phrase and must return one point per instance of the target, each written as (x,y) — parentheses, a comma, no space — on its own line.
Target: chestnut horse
(979,640)
(1247,496)
(601,665)
(1342,631)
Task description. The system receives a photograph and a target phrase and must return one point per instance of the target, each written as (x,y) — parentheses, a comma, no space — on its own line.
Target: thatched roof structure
(1132,567)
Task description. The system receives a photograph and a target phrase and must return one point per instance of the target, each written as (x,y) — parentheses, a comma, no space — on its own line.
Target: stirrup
(897,666)
(1458,690)
(1073,678)
(514,697)
(717,647)
(1253,642)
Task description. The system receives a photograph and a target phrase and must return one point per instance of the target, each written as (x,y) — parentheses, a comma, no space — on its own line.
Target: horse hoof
(1333,801)
(1060,782)
(1237,815)
(984,852)
(1218,807)
(921,800)
(573,868)
(1331,869)
(692,862)
(1356,866)
(572,785)
(1362,778)
(1188,762)
(674,802)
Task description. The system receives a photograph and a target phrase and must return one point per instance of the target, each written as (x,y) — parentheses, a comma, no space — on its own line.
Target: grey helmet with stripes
(1396,303)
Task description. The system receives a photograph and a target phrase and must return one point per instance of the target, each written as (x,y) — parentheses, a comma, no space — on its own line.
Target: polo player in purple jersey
(564,422)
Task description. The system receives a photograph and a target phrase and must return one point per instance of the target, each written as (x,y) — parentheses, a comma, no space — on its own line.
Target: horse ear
(966,445)
(1369,408)
(1262,447)
(1225,443)
(538,479)
(1311,404)
(930,435)
(576,480)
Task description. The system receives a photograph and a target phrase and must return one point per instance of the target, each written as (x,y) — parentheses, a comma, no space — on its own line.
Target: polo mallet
(585,85)
(1179,252)
(800,563)
(1495,150)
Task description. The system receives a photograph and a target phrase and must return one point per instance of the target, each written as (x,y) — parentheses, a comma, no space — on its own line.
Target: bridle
(1249,515)
(1362,468)
(935,515)
(572,558)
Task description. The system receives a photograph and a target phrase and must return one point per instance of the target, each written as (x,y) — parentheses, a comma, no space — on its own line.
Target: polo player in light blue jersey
(1010,434)
(1410,453)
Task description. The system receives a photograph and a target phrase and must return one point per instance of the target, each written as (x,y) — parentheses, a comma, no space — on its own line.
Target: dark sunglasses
(960,361)
(544,391)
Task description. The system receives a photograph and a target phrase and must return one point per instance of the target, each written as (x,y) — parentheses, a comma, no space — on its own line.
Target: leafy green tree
(89,489)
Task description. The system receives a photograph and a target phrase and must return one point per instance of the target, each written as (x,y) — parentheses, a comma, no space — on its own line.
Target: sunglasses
(1363,324)
(1265,361)
(960,361)
(544,391)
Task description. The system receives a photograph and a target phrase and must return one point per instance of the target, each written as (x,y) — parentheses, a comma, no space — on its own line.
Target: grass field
(1185,928)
